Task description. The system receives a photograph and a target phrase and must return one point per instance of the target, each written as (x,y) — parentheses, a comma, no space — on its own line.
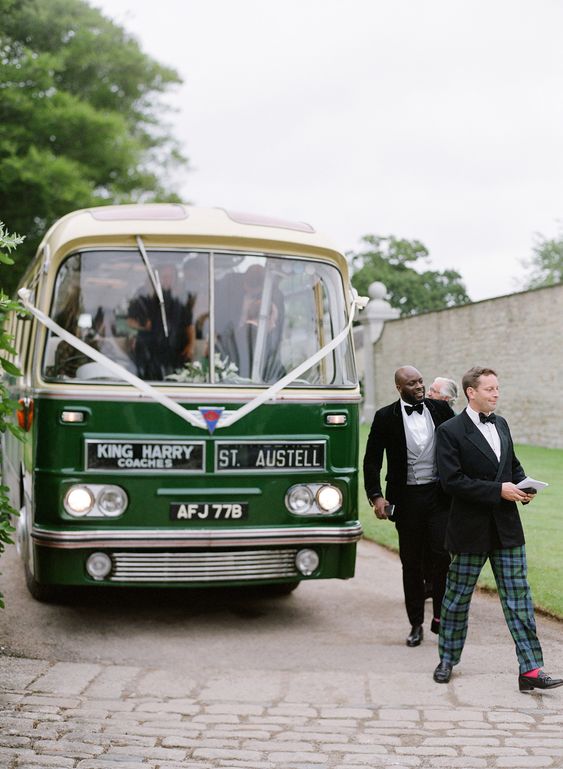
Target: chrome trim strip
(164,577)
(200,538)
(211,395)
(202,567)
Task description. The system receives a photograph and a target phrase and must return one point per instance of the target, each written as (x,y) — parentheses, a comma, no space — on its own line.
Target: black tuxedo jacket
(471,474)
(387,435)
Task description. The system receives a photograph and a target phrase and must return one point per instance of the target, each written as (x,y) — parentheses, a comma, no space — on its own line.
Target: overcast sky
(431,119)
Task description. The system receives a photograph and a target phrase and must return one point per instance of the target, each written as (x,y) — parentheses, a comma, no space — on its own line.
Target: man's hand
(512,493)
(379,507)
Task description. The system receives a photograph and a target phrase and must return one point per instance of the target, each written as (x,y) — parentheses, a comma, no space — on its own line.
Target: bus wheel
(43,593)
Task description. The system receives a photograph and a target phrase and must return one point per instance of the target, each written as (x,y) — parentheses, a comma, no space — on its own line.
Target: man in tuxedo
(405,432)
(479,469)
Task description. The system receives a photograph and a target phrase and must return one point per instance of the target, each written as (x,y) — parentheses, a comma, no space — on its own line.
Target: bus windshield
(209,318)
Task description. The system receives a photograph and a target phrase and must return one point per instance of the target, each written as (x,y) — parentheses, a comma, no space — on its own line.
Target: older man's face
(434,392)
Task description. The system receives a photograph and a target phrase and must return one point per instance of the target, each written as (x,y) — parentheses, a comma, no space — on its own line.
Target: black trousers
(421,520)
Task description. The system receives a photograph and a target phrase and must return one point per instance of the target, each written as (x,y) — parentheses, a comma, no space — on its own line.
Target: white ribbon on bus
(196,420)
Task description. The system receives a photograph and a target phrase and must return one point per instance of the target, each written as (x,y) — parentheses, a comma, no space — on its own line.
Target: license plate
(208,511)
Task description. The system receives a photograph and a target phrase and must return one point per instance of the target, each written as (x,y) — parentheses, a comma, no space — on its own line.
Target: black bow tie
(484,418)
(418,407)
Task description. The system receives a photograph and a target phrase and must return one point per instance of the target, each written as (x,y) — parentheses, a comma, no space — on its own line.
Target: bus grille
(203,567)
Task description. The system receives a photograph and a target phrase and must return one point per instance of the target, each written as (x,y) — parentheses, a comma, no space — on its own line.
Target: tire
(42,593)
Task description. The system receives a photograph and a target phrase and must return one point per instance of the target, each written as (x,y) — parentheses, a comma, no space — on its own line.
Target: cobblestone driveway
(330,707)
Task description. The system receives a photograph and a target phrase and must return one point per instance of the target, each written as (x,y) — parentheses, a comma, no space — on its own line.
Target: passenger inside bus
(165,335)
(250,318)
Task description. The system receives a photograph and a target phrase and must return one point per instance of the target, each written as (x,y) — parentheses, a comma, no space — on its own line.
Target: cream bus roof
(168,224)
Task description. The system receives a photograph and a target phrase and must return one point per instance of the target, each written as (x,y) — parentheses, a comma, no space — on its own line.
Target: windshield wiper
(155,280)
(264,316)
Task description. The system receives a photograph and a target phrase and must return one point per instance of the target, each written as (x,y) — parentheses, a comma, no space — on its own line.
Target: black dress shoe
(443,673)
(543,681)
(435,626)
(416,635)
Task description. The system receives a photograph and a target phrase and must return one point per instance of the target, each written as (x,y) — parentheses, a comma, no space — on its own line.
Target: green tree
(392,260)
(546,265)
(82,120)
(7,406)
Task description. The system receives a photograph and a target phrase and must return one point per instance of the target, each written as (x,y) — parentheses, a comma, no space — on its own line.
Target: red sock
(532,673)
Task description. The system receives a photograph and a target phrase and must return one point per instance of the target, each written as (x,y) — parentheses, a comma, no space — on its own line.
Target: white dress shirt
(487,429)
(417,424)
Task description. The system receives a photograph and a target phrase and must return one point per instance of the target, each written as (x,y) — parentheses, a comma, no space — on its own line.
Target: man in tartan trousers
(479,470)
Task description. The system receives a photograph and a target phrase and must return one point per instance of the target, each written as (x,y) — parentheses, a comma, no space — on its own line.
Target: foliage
(7,406)
(392,261)
(546,265)
(82,117)
(542,523)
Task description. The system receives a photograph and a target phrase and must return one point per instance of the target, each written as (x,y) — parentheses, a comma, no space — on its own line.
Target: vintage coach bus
(189,400)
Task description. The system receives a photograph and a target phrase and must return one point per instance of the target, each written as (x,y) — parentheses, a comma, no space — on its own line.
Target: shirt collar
(473,416)
(404,404)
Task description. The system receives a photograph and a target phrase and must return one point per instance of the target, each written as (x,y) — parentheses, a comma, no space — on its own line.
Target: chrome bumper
(197,538)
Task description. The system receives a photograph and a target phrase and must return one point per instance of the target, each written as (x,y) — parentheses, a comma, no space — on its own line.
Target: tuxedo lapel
(504,443)
(433,413)
(399,426)
(501,430)
(479,441)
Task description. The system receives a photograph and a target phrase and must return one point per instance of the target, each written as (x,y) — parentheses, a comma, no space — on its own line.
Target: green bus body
(203,507)
(59,451)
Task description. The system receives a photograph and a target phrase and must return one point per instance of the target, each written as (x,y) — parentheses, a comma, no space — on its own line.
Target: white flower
(198,371)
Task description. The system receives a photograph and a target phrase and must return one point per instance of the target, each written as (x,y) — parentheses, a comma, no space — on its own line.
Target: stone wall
(520,336)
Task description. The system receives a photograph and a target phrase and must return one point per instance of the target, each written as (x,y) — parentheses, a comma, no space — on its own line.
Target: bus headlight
(79,501)
(95,500)
(299,500)
(98,565)
(307,561)
(314,499)
(112,500)
(329,498)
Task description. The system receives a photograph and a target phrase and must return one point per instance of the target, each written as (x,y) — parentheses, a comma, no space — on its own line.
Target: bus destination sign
(155,456)
(270,456)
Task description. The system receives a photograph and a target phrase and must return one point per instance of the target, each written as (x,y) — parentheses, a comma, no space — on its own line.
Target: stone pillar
(372,319)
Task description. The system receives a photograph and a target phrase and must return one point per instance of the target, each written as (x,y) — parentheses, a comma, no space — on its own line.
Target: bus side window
(10,329)
(19,333)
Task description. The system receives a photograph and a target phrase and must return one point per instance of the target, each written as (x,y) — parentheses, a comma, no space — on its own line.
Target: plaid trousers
(510,572)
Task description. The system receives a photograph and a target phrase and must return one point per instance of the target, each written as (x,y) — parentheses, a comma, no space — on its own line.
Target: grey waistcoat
(421,462)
